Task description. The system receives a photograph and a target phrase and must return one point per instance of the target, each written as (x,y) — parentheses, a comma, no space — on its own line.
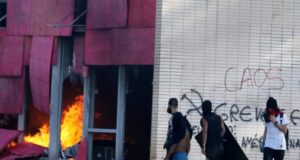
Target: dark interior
(80,6)
(138,109)
(2,13)
(105,112)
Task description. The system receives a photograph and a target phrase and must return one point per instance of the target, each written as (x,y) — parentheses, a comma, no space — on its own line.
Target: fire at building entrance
(71,127)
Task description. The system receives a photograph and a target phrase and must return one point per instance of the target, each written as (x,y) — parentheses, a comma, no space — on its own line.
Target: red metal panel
(82,150)
(19,17)
(39,71)
(27,49)
(98,50)
(120,46)
(11,94)
(27,150)
(106,14)
(133,46)
(141,13)
(36,17)
(7,136)
(78,57)
(11,54)
(54,51)
(9,157)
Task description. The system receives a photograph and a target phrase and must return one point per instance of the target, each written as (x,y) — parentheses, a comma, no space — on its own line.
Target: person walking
(275,129)
(213,129)
(178,138)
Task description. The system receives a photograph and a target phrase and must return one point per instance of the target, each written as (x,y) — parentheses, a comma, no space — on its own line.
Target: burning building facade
(78,72)
(76,75)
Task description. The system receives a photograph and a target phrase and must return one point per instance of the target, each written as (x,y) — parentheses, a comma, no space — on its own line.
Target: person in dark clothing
(213,129)
(178,138)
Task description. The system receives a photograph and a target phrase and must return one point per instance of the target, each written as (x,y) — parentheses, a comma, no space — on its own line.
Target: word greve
(235,112)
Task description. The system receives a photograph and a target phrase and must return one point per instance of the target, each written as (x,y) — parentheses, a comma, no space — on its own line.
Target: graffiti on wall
(253,142)
(255,78)
(239,113)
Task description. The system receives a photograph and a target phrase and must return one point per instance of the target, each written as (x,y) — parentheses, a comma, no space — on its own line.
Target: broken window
(80,15)
(2,13)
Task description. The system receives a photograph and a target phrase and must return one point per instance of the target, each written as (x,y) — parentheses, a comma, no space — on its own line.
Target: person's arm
(204,124)
(188,148)
(223,130)
(265,133)
(170,151)
(262,143)
(282,128)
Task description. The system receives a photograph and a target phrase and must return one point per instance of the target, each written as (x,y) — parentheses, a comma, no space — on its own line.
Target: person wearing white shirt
(275,129)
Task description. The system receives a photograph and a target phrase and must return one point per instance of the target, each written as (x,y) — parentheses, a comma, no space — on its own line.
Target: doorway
(107,112)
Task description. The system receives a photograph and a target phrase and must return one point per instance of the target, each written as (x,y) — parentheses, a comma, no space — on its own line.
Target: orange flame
(12,144)
(71,127)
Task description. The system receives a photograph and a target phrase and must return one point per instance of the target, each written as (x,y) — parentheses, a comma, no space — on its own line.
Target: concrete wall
(236,53)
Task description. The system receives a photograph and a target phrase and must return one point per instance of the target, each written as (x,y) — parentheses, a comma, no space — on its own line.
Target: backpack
(188,126)
(286,135)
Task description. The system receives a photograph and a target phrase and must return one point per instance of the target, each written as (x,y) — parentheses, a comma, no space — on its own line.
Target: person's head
(172,105)
(206,107)
(272,105)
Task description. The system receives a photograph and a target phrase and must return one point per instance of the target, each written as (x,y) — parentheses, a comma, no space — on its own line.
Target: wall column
(59,71)
(121,106)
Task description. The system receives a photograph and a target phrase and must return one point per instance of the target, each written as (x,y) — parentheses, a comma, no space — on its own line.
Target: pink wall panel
(19,17)
(11,94)
(7,156)
(35,17)
(120,46)
(7,136)
(141,13)
(54,51)
(27,150)
(82,150)
(39,71)
(106,14)
(27,49)
(98,48)
(133,46)
(11,54)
